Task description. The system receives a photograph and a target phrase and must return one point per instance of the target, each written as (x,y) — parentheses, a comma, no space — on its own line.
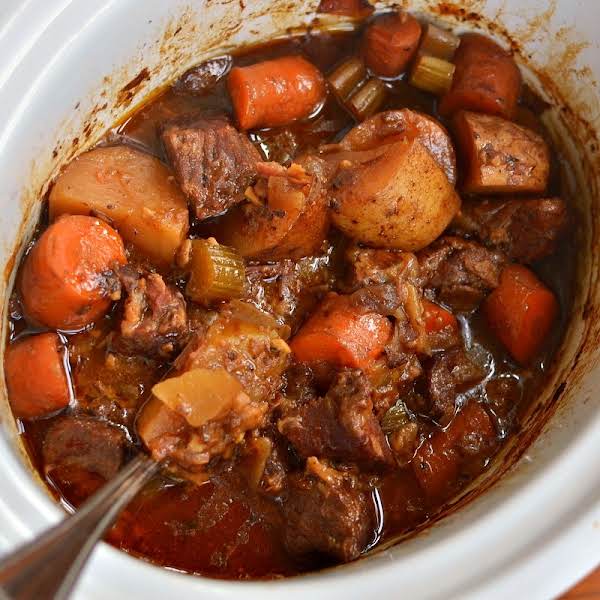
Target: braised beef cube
(154,316)
(81,453)
(370,266)
(451,373)
(326,512)
(340,426)
(463,272)
(212,161)
(526,230)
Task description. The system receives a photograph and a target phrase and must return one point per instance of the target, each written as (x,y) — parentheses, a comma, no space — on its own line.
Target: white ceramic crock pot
(70,68)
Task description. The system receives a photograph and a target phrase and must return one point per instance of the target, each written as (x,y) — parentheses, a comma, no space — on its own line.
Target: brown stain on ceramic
(129,90)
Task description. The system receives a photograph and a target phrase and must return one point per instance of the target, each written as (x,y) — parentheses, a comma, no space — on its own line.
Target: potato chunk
(500,157)
(134,191)
(394,196)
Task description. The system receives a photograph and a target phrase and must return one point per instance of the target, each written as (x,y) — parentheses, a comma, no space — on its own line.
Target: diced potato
(134,191)
(500,157)
(394,196)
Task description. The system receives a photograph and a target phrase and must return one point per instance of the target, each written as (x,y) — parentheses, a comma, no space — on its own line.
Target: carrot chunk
(67,280)
(438,461)
(275,92)
(521,312)
(390,43)
(342,334)
(437,318)
(486,79)
(36,377)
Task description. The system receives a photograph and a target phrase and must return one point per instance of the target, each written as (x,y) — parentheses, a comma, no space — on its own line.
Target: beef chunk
(463,272)
(289,290)
(388,282)
(525,229)
(81,453)
(326,513)
(154,316)
(340,426)
(451,373)
(213,163)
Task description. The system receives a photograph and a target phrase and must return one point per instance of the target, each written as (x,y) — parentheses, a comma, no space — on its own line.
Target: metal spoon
(49,566)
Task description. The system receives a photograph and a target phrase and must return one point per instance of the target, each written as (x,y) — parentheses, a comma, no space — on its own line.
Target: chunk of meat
(154,315)
(526,230)
(80,454)
(275,92)
(388,282)
(217,410)
(293,221)
(221,388)
(289,289)
(340,426)
(390,42)
(503,395)
(452,372)
(48,391)
(342,333)
(200,79)
(385,125)
(326,512)
(486,79)
(500,157)
(213,163)
(463,272)
(438,460)
(68,279)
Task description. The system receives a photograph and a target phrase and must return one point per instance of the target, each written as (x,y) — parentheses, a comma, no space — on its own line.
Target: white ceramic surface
(62,64)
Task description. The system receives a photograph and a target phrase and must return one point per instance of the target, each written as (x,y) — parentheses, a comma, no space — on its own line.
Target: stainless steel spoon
(49,566)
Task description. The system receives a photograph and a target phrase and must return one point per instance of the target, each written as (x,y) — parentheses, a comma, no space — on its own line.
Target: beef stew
(325,320)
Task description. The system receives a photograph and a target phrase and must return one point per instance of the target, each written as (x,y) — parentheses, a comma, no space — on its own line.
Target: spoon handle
(48,566)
